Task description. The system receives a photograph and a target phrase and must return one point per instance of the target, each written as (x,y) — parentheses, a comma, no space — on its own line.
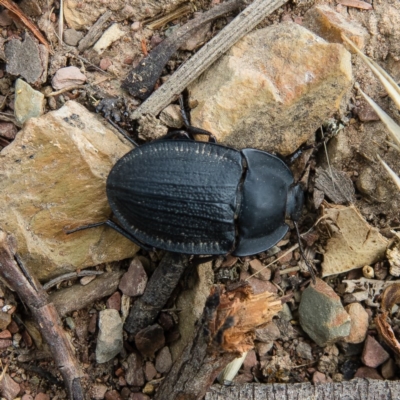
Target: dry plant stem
(94,32)
(158,290)
(31,293)
(68,276)
(77,297)
(207,55)
(356,389)
(142,79)
(160,22)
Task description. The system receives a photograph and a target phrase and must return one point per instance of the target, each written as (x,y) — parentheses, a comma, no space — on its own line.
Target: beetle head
(295,201)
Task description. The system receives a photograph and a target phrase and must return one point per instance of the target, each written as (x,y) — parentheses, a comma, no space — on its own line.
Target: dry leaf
(390,297)
(336,185)
(353,243)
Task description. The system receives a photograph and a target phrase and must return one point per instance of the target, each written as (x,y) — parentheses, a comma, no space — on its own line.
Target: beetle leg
(117,228)
(122,132)
(191,129)
(177,134)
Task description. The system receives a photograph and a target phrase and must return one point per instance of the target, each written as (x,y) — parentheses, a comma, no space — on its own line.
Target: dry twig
(31,293)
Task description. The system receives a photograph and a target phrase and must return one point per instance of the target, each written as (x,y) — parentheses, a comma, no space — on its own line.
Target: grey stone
(268,333)
(322,315)
(109,340)
(303,350)
(28,102)
(72,37)
(164,360)
(26,59)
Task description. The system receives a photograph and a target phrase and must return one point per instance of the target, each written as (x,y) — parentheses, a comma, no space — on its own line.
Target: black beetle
(202,198)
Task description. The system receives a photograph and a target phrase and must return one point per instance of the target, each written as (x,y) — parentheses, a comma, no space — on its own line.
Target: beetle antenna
(122,132)
(309,266)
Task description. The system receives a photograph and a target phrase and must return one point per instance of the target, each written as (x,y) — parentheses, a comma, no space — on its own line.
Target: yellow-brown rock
(331,25)
(52,178)
(273,89)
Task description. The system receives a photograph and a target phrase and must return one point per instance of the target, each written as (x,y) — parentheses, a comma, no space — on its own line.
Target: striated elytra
(195,197)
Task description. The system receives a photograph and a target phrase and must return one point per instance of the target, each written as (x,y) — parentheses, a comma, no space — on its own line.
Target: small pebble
(135,26)
(368,272)
(373,354)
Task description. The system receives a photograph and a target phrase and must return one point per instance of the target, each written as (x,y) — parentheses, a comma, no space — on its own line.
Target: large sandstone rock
(52,177)
(273,89)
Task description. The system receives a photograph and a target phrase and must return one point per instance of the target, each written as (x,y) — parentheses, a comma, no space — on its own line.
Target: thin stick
(208,54)
(44,313)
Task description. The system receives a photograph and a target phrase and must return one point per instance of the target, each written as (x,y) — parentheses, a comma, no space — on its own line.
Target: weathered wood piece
(142,79)
(357,389)
(209,53)
(77,297)
(226,331)
(158,290)
(94,32)
(31,293)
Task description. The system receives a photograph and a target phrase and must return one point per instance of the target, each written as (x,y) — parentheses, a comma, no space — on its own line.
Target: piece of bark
(31,293)
(208,54)
(77,297)
(227,330)
(357,389)
(158,290)
(94,32)
(141,80)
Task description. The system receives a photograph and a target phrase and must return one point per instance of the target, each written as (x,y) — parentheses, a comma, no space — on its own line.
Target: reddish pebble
(373,354)
(134,281)
(4,343)
(250,361)
(128,60)
(319,377)
(92,323)
(6,334)
(367,372)
(149,371)
(139,396)
(105,63)
(114,301)
(258,285)
(13,327)
(42,396)
(113,395)
(26,337)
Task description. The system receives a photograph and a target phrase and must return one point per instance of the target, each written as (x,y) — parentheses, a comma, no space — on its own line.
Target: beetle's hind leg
(191,129)
(117,228)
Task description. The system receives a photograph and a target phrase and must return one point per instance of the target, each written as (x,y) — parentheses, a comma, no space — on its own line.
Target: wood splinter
(30,291)
(227,329)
